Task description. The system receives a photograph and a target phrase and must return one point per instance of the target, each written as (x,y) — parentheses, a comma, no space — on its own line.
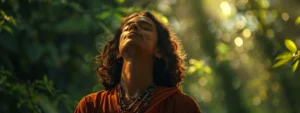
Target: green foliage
(284,57)
(36,96)
(297,22)
(5,21)
(290,45)
(295,65)
(198,68)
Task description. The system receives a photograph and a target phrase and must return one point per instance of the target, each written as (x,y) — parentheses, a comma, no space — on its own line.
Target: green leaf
(297,21)
(1,22)
(47,84)
(281,62)
(297,54)
(284,55)
(2,13)
(290,45)
(12,20)
(8,29)
(295,65)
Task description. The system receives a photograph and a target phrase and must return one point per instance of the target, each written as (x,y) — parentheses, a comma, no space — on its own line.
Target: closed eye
(147,28)
(141,23)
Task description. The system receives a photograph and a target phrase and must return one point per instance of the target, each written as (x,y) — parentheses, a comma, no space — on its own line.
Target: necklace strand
(141,100)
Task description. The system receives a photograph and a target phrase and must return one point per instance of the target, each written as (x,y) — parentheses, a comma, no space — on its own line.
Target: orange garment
(163,100)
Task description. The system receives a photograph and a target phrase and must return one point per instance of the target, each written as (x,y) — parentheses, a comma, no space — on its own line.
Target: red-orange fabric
(163,100)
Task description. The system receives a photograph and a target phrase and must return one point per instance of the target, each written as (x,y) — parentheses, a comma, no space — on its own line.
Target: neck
(136,76)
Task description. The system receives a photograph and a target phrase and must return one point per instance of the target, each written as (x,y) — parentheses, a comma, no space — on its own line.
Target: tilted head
(143,32)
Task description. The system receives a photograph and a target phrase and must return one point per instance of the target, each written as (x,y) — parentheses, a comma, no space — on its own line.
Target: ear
(157,53)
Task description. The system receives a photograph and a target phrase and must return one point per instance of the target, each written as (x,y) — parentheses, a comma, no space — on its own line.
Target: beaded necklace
(136,105)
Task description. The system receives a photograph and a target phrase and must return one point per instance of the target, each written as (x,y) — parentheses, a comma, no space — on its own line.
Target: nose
(133,26)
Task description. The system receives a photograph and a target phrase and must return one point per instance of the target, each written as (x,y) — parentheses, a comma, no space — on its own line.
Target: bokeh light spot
(246,33)
(225,8)
(226,37)
(192,61)
(256,101)
(264,4)
(206,96)
(240,25)
(238,41)
(285,16)
(207,70)
(203,81)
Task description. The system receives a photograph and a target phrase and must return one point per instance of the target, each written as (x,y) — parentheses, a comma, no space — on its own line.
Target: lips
(133,34)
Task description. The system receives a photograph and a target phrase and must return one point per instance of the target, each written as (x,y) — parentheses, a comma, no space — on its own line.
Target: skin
(138,48)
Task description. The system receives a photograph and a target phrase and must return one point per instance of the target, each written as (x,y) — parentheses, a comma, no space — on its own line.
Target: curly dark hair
(168,71)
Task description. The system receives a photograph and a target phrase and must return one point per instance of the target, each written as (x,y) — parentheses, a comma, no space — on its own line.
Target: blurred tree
(47,45)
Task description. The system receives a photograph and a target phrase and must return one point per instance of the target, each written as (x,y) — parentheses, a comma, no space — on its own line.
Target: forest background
(242,55)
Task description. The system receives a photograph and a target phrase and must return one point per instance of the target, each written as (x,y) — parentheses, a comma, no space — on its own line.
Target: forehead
(141,19)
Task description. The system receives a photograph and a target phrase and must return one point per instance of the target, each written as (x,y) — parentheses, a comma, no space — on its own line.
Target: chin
(131,47)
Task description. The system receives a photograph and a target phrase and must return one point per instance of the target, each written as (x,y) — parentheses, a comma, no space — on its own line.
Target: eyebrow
(140,22)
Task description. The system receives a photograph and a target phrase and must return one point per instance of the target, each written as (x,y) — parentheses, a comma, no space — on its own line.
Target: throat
(136,77)
(134,90)
(136,85)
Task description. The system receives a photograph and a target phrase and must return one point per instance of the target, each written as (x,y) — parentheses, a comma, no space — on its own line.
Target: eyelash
(148,29)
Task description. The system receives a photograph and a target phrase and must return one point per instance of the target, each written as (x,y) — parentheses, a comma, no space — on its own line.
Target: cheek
(121,38)
(151,40)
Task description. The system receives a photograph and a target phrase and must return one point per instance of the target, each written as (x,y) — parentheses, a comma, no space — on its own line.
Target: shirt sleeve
(188,104)
(84,106)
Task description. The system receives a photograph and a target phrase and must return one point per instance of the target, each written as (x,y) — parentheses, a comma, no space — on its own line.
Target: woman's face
(139,37)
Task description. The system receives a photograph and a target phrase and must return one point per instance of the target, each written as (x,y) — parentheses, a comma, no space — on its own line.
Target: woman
(141,69)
